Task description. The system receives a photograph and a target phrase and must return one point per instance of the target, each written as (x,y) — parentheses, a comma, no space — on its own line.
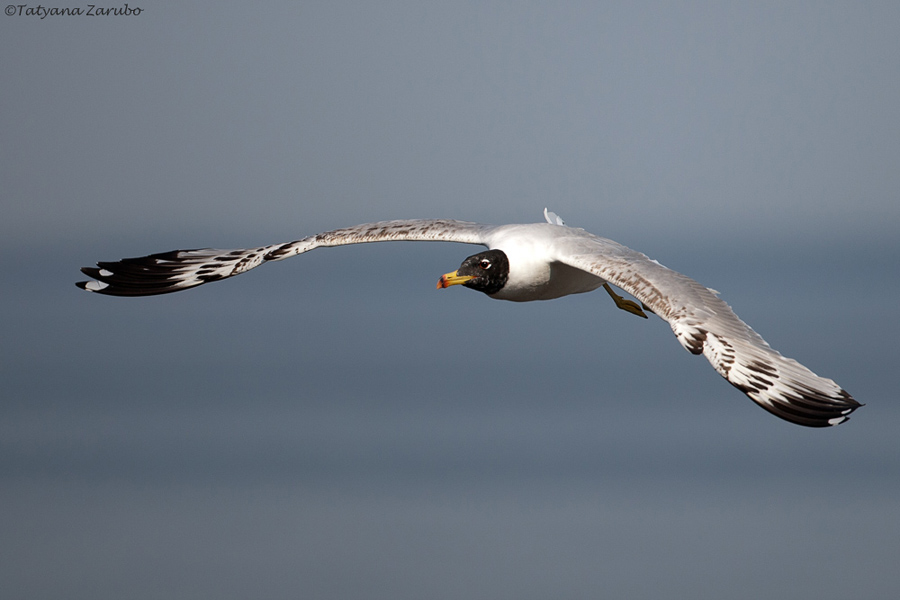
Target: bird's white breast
(534,272)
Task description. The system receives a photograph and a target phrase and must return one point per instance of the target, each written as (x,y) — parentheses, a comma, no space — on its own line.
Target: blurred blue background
(334,427)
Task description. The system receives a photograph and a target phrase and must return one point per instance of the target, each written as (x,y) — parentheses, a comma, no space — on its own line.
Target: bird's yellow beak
(454,278)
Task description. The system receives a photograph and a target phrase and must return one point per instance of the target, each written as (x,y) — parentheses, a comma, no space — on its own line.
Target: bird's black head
(486,272)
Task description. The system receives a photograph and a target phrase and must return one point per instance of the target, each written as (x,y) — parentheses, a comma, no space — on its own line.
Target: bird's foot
(626,305)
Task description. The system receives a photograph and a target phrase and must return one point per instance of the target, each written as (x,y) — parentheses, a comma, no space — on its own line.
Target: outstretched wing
(183,269)
(704,324)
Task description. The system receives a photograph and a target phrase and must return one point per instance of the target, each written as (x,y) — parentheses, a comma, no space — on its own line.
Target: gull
(537,261)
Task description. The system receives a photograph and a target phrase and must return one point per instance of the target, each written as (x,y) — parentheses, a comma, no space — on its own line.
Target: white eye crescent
(485,263)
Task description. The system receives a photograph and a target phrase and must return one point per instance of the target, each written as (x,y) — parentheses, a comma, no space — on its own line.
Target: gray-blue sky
(332,426)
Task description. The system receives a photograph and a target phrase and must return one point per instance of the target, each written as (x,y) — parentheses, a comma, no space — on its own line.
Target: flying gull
(538,261)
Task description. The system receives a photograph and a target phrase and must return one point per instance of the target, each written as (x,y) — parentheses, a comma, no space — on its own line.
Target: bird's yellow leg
(626,305)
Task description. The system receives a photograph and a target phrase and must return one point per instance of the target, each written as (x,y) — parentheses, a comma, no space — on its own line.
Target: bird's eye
(485,264)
